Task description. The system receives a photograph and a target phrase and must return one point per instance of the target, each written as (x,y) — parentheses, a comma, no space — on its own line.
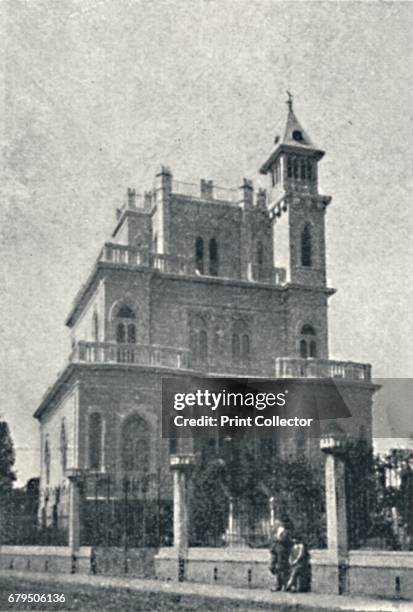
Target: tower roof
(294,133)
(294,136)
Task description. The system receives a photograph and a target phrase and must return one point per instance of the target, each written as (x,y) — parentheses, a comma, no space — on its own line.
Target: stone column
(246,201)
(75,484)
(337,540)
(161,218)
(181,466)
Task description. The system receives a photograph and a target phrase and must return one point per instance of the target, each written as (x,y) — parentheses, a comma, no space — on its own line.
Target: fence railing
(379,494)
(266,274)
(132,354)
(292,367)
(211,193)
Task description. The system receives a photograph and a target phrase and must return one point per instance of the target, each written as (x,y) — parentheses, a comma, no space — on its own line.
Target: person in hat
(280,548)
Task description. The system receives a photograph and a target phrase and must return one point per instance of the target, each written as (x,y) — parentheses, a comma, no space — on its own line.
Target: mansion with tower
(194,281)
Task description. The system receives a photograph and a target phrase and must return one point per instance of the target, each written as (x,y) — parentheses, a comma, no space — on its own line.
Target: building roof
(295,134)
(295,138)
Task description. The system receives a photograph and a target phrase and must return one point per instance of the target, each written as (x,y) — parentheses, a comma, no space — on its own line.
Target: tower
(295,205)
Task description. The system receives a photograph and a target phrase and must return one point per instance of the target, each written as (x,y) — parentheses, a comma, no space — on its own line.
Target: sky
(97,94)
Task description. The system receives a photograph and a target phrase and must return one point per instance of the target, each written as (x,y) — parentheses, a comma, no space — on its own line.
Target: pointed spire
(294,136)
(294,133)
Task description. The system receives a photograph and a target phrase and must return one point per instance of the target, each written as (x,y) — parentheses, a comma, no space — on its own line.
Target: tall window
(289,167)
(47,460)
(259,253)
(95,441)
(245,348)
(295,167)
(199,255)
(236,348)
(203,345)
(125,325)
(199,340)
(213,257)
(240,343)
(308,343)
(135,444)
(309,170)
(302,169)
(306,247)
(95,325)
(63,445)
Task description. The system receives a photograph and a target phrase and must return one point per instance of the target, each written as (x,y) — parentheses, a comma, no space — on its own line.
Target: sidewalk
(260,597)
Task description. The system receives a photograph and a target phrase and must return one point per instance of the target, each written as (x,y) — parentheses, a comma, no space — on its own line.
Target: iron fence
(379,492)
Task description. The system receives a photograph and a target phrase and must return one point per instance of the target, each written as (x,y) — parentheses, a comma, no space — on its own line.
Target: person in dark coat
(280,548)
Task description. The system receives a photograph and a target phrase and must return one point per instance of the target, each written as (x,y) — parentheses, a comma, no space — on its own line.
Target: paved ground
(189,596)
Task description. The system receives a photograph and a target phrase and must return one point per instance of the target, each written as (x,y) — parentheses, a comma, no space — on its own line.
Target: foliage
(250,473)
(7,459)
(7,477)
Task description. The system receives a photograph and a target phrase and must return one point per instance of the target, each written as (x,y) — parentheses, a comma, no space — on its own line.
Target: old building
(194,280)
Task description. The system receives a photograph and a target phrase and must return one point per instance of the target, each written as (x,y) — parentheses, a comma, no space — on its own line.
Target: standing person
(299,562)
(280,548)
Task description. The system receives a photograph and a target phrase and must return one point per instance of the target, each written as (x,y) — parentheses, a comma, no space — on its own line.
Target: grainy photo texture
(206,263)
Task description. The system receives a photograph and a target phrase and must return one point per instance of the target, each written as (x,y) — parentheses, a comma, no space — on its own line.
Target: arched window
(47,460)
(95,327)
(203,345)
(95,441)
(213,257)
(125,319)
(199,340)
(135,444)
(240,343)
(63,445)
(306,246)
(245,348)
(260,253)
(236,348)
(199,255)
(308,344)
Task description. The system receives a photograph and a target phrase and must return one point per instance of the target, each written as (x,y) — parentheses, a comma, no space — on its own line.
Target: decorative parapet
(129,354)
(292,367)
(205,191)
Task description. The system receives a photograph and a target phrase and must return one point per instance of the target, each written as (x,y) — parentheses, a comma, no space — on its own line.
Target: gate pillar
(75,484)
(181,465)
(333,445)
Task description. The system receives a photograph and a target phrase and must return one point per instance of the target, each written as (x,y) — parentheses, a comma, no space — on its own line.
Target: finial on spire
(290,100)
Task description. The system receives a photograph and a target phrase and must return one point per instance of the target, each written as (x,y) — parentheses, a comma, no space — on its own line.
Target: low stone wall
(375,573)
(242,567)
(45,559)
(113,561)
(381,573)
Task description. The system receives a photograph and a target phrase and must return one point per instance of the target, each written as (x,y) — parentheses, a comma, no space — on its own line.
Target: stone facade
(193,281)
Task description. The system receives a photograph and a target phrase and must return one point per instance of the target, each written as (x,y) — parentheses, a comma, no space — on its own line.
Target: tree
(7,459)
(7,477)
